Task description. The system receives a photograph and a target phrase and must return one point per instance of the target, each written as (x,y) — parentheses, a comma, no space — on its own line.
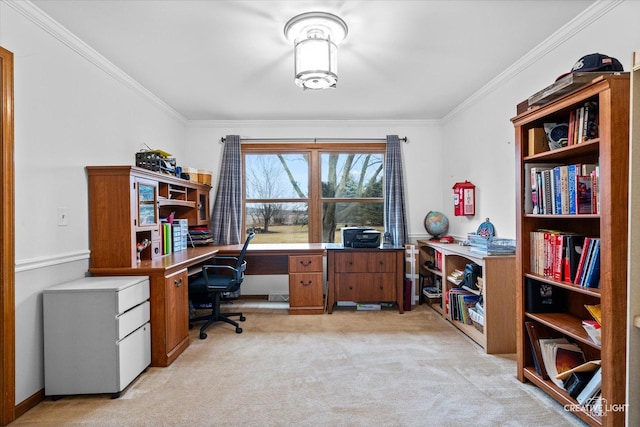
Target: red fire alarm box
(464,199)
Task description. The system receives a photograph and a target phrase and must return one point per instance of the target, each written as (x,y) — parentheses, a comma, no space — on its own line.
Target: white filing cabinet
(97,336)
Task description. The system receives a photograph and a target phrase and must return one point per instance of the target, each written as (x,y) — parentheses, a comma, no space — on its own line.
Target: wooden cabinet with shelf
(498,334)
(610,151)
(126,205)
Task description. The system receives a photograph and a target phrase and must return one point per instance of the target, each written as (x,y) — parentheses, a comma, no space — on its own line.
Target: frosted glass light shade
(316,64)
(315,36)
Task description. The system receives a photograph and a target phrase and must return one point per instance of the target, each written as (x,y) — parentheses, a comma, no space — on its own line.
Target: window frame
(314,199)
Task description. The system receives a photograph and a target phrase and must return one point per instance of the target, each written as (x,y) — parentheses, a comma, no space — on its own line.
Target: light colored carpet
(345,369)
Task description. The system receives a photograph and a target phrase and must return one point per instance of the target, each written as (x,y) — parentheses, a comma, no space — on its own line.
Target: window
(299,193)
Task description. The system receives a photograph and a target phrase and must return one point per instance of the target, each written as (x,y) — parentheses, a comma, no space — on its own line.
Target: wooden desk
(303,262)
(168,276)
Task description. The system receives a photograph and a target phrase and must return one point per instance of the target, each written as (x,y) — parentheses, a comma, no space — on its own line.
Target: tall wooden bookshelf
(610,150)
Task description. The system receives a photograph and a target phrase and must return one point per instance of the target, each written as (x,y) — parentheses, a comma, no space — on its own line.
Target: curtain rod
(223,139)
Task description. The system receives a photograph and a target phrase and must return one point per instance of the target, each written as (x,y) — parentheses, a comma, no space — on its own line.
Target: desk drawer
(132,319)
(305,290)
(365,262)
(305,263)
(133,295)
(360,287)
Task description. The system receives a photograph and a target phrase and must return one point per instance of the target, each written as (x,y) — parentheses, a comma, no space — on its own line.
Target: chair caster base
(242,318)
(238,330)
(203,335)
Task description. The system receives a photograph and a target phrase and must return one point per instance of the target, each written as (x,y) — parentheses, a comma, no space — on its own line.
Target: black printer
(360,237)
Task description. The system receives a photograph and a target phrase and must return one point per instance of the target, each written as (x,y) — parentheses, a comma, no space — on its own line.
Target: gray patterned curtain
(227,208)
(394,212)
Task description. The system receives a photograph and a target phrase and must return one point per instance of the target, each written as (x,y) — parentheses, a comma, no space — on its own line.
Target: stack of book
(567,257)
(557,189)
(563,363)
(459,302)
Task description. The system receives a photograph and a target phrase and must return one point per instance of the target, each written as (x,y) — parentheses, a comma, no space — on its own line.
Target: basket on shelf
(155,161)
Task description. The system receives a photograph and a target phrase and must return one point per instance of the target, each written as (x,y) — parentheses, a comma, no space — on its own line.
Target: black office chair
(214,283)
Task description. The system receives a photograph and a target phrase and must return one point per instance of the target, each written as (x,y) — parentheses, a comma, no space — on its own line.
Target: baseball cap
(595,62)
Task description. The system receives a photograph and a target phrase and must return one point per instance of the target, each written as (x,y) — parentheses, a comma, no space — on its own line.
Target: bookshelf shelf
(595,292)
(560,395)
(566,324)
(610,152)
(496,336)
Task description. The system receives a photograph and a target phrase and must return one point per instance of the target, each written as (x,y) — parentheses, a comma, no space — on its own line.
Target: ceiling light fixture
(315,37)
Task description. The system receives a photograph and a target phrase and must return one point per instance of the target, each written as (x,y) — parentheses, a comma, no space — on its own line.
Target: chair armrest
(233,258)
(215,266)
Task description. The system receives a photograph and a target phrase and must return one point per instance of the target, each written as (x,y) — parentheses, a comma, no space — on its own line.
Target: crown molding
(215,124)
(66,37)
(577,24)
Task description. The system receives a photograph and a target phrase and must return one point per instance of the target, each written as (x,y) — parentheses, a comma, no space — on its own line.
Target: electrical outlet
(63,216)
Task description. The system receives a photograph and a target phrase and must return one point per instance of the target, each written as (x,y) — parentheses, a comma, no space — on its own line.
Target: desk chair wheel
(242,319)
(238,330)
(203,335)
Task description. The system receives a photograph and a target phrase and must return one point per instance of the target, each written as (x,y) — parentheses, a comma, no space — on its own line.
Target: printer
(360,237)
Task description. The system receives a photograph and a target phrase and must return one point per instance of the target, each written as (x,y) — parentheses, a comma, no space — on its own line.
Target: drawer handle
(305,263)
(306,284)
(178,282)
(381,262)
(381,287)
(350,287)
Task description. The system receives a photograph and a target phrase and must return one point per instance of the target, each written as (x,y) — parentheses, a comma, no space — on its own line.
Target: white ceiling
(229,60)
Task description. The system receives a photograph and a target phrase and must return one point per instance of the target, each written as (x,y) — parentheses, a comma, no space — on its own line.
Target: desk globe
(436,224)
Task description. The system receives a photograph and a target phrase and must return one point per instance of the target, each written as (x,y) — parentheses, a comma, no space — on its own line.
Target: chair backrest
(243,252)
(241,264)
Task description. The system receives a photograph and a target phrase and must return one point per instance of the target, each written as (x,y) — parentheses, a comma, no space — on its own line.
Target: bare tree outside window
(306,194)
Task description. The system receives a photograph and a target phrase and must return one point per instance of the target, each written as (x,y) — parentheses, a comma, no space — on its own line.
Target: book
(576,382)
(536,354)
(591,388)
(592,277)
(588,261)
(583,256)
(584,195)
(559,355)
(595,312)
(589,366)
(572,172)
(573,250)
(593,330)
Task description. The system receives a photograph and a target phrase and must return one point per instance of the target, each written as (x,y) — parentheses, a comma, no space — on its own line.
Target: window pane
(276,176)
(278,222)
(338,215)
(349,175)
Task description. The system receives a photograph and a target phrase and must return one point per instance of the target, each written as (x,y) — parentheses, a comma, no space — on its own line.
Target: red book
(559,253)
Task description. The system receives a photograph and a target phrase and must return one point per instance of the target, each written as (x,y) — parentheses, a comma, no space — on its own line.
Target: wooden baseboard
(29,403)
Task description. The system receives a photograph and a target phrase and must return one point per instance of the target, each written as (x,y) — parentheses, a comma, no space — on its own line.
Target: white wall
(69,113)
